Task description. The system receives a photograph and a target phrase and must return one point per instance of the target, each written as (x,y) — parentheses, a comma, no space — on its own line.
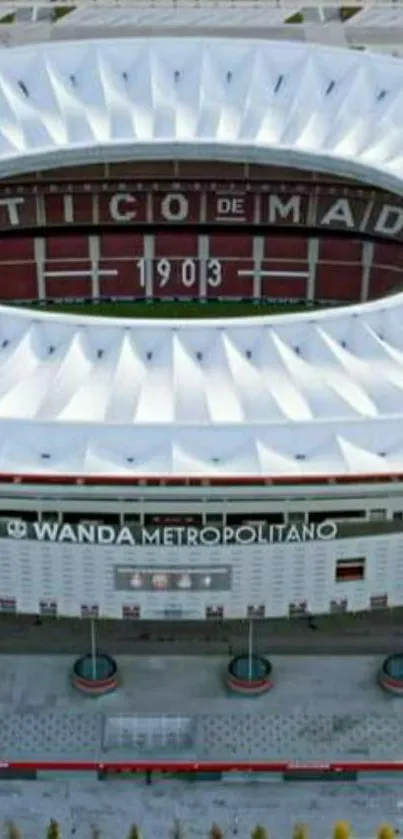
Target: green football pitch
(177,309)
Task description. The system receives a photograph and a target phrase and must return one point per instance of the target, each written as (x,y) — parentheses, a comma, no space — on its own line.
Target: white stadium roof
(283,396)
(270,102)
(287,397)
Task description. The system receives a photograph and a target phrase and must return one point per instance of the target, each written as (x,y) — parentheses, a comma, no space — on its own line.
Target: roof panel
(286,395)
(272,102)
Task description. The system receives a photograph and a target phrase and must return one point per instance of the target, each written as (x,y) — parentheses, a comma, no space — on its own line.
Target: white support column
(313,253)
(40,210)
(203,207)
(367,259)
(203,252)
(258,254)
(257,213)
(149,207)
(40,256)
(68,208)
(94,251)
(149,255)
(95,206)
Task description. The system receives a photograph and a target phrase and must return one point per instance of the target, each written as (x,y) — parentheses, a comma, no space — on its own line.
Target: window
(398,515)
(295,518)
(336,515)
(90,518)
(274,518)
(173,613)
(264,519)
(379,601)
(8,605)
(48,607)
(89,611)
(215,612)
(253,519)
(131,612)
(172,520)
(256,611)
(350,570)
(132,518)
(377,515)
(50,517)
(237,519)
(296,610)
(20,515)
(338,607)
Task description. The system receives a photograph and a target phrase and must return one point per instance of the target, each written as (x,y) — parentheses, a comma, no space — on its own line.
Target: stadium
(200,416)
(200,442)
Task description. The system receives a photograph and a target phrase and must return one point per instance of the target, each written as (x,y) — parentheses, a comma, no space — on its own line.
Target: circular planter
(104,680)
(249,677)
(391,674)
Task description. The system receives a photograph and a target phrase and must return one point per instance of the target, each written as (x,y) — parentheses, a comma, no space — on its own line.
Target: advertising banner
(186,536)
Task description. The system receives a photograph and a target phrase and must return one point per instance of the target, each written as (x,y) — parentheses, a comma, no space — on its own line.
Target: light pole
(250,650)
(93,649)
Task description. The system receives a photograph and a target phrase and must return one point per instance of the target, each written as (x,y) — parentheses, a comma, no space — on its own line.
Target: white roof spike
(169,106)
(153,398)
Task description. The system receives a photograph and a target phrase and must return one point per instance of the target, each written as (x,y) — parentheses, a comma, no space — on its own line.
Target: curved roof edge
(292,399)
(338,111)
(315,314)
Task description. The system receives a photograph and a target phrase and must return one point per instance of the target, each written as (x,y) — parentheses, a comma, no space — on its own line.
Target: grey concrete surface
(190,684)
(113,806)
(319,710)
(367,633)
(318,707)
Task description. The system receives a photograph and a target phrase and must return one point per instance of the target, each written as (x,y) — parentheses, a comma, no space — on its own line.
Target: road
(367,633)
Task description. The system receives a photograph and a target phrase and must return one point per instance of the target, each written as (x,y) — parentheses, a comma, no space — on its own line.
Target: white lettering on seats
(233,207)
(175,207)
(11,205)
(284,209)
(390,221)
(188,272)
(119,205)
(339,213)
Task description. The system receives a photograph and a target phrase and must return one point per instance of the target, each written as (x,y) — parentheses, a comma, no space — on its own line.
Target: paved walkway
(324,705)
(114,806)
(369,633)
(177,707)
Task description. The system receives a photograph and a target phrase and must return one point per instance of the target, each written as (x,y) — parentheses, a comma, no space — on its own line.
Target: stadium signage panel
(134,577)
(286,205)
(186,536)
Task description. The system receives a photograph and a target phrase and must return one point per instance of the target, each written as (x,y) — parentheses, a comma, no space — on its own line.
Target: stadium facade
(214,468)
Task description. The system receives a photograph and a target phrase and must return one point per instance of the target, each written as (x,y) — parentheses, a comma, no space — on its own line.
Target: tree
(134,832)
(53,830)
(215,832)
(259,832)
(300,831)
(12,831)
(386,831)
(341,830)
